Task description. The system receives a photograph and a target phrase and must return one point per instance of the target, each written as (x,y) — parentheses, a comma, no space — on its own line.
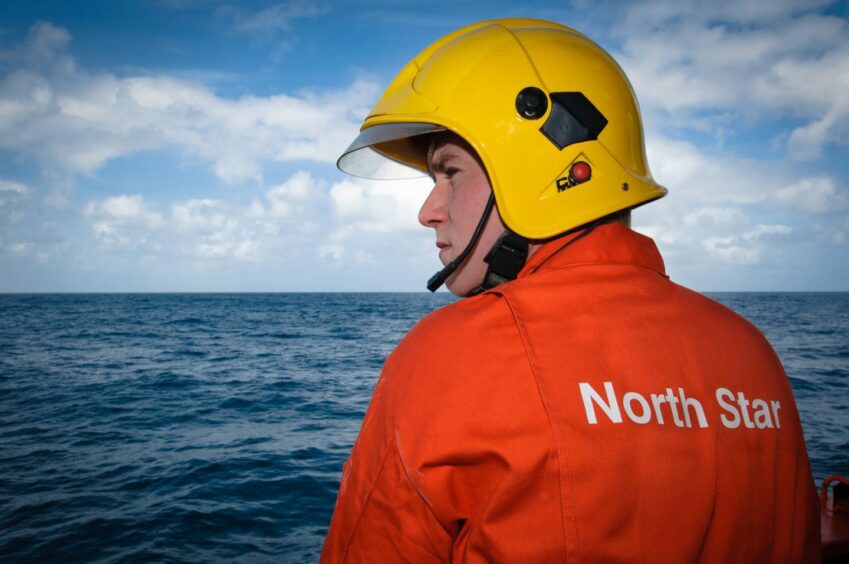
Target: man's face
(453,209)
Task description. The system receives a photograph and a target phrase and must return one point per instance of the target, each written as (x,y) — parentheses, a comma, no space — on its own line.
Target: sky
(190,145)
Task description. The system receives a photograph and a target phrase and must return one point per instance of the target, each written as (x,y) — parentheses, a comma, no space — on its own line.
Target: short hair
(436,140)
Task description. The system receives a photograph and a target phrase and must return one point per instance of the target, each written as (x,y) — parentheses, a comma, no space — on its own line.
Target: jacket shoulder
(456,354)
(725,320)
(453,327)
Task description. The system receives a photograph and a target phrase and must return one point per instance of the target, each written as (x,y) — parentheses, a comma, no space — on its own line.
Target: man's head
(547,115)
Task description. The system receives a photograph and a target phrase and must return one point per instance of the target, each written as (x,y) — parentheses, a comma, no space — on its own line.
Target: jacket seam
(365,505)
(795,539)
(528,356)
(596,262)
(397,448)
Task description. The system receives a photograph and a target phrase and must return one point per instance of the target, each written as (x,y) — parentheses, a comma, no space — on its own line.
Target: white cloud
(840,234)
(120,219)
(714,213)
(277,17)
(376,221)
(723,61)
(124,210)
(294,196)
(820,194)
(350,222)
(64,117)
(345,223)
(378,206)
(762,230)
(17,248)
(729,251)
(14,200)
(45,40)
(26,232)
(12,187)
(712,216)
(744,249)
(712,178)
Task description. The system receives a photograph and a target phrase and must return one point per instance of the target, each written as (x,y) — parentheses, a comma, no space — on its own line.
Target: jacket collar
(608,243)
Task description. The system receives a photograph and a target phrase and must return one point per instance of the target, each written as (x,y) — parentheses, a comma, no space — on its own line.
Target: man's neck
(624,219)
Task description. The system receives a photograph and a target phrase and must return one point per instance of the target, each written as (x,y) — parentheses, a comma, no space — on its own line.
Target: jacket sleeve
(380,515)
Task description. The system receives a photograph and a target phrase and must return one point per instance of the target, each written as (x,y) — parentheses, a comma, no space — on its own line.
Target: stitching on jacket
(700,553)
(798,537)
(529,355)
(365,504)
(598,263)
(415,486)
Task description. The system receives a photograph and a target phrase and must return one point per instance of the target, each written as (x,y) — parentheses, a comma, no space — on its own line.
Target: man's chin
(459,288)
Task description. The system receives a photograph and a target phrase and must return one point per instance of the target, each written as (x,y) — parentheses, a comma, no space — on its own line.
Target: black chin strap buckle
(505,259)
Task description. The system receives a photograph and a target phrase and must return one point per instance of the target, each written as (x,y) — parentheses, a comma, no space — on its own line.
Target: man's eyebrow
(439,164)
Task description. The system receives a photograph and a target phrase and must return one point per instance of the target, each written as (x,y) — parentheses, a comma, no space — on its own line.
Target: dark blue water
(202,428)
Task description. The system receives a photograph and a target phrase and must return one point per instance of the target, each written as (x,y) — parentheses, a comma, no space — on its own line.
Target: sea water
(213,427)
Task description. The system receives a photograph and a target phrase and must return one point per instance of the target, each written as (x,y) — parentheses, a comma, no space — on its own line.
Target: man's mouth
(444,249)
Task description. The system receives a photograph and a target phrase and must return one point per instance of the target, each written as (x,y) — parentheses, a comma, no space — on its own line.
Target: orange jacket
(591,410)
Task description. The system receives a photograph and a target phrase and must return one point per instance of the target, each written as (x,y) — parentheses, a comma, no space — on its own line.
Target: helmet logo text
(579,173)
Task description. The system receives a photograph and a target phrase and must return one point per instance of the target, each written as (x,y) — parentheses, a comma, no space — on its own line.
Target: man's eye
(450,172)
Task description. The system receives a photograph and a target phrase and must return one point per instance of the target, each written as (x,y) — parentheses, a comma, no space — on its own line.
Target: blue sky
(182,145)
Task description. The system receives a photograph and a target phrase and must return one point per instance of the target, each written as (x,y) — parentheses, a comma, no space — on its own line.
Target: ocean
(213,427)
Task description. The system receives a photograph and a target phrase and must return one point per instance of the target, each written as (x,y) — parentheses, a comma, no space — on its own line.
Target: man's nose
(433,209)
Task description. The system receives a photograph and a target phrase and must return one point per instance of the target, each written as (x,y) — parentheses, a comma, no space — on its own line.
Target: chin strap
(440,277)
(506,258)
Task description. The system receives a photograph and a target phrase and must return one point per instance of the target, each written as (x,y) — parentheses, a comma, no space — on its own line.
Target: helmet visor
(391,151)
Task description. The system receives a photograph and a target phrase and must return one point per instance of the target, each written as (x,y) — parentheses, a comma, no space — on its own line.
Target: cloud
(814,195)
(711,64)
(711,177)
(66,118)
(119,220)
(374,220)
(27,234)
(719,210)
(10,187)
(14,201)
(713,217)
(744,249)
(294,197)
(840,234)
(124,210)
(379,206)
(45,41)
(274,18)
(303,219)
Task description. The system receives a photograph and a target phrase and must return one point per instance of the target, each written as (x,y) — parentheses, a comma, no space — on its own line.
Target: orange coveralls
(589,411)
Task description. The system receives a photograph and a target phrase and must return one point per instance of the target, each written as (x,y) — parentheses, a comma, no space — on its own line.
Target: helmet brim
(391,151)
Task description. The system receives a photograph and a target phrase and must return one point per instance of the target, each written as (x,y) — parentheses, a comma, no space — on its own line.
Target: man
(578,405)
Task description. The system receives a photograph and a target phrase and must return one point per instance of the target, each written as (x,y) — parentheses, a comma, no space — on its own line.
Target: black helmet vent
(573,119)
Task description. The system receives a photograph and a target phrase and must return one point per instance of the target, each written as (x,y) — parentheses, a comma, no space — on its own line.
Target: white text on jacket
(680,410)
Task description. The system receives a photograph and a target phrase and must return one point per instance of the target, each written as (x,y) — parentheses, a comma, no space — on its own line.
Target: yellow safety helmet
(550,113)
